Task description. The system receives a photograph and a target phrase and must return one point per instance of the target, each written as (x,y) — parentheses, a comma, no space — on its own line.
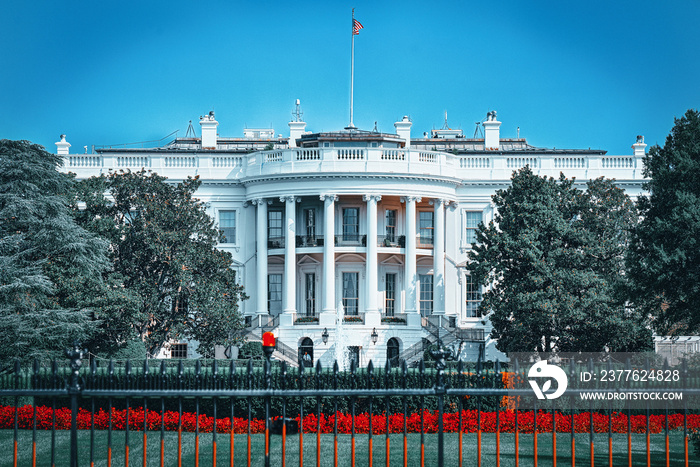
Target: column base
(373,318)
(413,319)
(287,318)
(327,318)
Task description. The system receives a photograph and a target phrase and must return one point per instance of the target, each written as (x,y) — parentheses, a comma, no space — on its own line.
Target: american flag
(356,26)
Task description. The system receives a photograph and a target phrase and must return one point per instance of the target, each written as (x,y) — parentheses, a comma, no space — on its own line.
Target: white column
(328,314)
(261,259)
(371,260)
(439,257)
(411,279)
(290,255)
(329,252)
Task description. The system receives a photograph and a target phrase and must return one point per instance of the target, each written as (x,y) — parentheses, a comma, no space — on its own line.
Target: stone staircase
(265,323)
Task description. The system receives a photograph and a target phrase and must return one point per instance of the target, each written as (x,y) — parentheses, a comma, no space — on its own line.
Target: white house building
(355,242)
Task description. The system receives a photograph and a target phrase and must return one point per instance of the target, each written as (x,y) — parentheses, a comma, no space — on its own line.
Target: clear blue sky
(569,74)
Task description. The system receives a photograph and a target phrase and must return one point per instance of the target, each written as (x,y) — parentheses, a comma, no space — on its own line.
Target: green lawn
(292,451)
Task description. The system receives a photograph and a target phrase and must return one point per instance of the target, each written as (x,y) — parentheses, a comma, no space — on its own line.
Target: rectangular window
(390,297)
(351,224)
(391,225)
(310,222)
(473,219)
(274,229)
(227,224)
(274,293)
(473,293)
(425,227)
(426,294)
(310,294)
(351,293)
(178,351)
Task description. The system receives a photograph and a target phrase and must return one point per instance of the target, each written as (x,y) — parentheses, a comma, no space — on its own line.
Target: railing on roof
(220,164)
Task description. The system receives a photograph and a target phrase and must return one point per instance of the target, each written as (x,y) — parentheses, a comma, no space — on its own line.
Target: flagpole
(352,67)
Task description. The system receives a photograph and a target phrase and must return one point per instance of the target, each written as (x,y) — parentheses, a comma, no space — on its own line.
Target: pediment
(306,259)
(350,258)
(393,259)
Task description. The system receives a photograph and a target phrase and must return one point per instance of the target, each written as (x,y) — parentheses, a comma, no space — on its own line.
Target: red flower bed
(526,421)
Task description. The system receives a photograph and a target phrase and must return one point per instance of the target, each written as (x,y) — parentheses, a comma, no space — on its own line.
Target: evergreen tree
(664,260)
(163,248)
(553,261)
(44,256)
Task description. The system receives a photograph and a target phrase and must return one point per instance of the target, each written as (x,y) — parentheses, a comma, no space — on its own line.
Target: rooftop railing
(217,165)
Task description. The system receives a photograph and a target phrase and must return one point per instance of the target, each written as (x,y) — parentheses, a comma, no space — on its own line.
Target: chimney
(209,125)
(296,126)
(638,147)
(62,146)
(491,131)
(403,129)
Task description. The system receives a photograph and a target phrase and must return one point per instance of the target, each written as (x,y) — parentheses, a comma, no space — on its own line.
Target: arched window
(392,352)
(306,353)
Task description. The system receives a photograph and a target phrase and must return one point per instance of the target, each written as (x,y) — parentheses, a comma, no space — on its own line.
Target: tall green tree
(553,262)
(44,257)
(664,260)
(163,247)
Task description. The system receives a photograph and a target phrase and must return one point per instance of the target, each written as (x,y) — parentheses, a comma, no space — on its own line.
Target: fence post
(75,355)
(439,356)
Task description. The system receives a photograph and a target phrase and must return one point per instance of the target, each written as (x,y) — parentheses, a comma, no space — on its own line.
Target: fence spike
(198,373)
(215,373)
(54,373)
(127,382)
(180,374)
(335,374)
(387,370)
(110,372)
(249,376)
(163,375)
(284,374)
(232,374)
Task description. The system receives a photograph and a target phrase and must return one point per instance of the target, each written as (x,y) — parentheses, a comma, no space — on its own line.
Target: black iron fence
(247,406)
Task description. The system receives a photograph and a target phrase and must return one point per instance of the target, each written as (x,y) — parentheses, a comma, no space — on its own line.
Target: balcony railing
(476,335)
(304,241)
(391,241)
(351,239)
(275,242)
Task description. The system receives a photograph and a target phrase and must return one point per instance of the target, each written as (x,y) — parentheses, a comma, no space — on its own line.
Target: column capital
(411,198)
(439,201)
(290,199)
(259,201)
(375,198)
(328,196)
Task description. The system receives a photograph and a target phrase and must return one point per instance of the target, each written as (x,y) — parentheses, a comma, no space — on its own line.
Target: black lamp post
(324,336)
(374,336)
(269,343)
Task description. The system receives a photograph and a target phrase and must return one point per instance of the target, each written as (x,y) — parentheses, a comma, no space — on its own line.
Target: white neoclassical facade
(356,241)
